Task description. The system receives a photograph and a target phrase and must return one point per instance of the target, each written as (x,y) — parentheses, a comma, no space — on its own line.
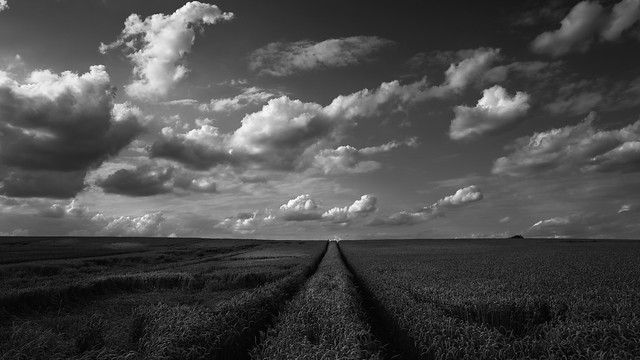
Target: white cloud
(624,15)
(574,34)
(458,76)
(301,208)
(349,160)
(183,102)
(360,208)
(581,147)
(285,134)
(3,5)
(58,210)
(249,96)
(343,160)
(158,43)
(462,197)
(243,223)
(145,225)
(495,111)
(584,21)
(281,58)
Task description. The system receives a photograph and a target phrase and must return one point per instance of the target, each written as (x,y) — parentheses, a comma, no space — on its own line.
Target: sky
(320,119)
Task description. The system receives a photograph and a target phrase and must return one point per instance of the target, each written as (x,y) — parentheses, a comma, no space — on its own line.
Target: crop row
(198,332)
(507,305)
(162,331)
(324,321)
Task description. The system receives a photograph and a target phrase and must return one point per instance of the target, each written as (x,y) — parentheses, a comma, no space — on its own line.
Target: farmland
(133,298)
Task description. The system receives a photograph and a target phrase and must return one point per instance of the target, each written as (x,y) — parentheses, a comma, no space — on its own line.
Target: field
(132,298)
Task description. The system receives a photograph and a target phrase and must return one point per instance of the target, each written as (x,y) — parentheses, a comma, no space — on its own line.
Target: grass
(219,299)
(505,299)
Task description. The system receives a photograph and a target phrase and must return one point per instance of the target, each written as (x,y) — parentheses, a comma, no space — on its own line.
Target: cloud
(347,159)
(157,45)
(360,208)
(249,96)
(575,104)
(584,21)
(608,225)
(183,102)
(243,223)
(495,111)
(3,5)
(285,134)
(460,75)
(462,197)
(575,32)
(145,225)
(42,183)
(283,58)
(56,127)
(199,149)
(302,208)
(581,148)
(142,181)
(149,180)
(624,15)
(59,211)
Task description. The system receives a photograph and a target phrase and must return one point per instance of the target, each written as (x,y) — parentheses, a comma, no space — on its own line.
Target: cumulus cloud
(301,208)
(145,225)
(59,210)
(584,21)
(3,5)
(581,147)
(285,58)
(460,75)
(349,160)
(495,111)
(157,45)
(624,15)
(360,208)
(243,223)
(149,180)
(462,197)
(56,127)
(285,134)
(198,149)
(249,96)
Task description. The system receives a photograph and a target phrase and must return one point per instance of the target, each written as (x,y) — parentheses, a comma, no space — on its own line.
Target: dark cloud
(49,184)
(141,181)
(54,128)
(149,180)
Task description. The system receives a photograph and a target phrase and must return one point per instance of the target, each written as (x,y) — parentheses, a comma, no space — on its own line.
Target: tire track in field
(399,345)
(324,320)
